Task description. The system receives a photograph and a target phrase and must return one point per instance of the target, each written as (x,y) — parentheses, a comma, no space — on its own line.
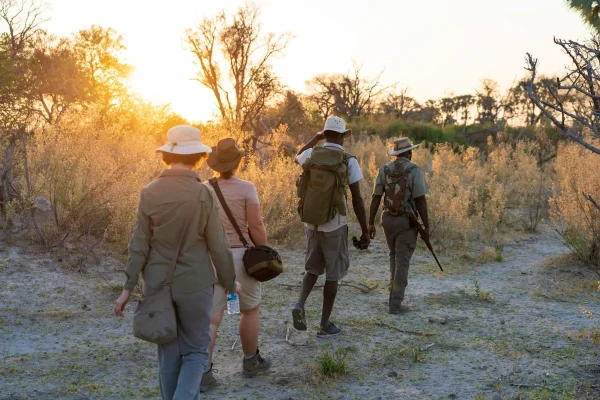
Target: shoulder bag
(155,320)
(262,263)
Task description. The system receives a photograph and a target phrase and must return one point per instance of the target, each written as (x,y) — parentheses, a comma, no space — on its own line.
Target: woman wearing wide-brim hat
(242,199)
(178,224)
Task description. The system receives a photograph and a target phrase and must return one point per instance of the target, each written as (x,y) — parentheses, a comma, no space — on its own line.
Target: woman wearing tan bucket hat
(241,198)
(178,224)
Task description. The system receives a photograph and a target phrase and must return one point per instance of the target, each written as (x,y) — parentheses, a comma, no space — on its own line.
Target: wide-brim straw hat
(225,156)
(402,145)
(184,139)
(337,124)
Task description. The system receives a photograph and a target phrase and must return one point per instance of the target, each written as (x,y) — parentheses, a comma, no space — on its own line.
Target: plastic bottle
(233,303)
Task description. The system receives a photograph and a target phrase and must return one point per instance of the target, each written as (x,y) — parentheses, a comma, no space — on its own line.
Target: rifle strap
(215,184)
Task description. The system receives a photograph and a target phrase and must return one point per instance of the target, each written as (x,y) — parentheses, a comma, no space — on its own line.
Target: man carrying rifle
(403,186)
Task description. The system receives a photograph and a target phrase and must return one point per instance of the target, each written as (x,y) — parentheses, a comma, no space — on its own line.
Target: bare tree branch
(585,66)
(591,200)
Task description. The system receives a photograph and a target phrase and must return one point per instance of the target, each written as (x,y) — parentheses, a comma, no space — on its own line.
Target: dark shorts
(327,253)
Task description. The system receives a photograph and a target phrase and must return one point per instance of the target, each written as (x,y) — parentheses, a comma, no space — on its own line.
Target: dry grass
(578,219)
(93,177)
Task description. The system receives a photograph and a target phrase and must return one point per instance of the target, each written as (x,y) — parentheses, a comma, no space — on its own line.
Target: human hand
(425,234)
(238,288)
(320,136)
(121,301)
(372,231)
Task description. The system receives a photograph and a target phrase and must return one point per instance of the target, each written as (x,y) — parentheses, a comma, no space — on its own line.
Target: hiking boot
(208,380)
(329,330)
(398,309)
(299,318)
(255,365)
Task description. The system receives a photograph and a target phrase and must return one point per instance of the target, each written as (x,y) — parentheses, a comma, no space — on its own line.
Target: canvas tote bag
(262,263)
(154,319)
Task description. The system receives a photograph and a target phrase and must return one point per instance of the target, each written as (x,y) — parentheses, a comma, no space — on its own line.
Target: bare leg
(329,293)
(249,327)
(215,321)
(308,282)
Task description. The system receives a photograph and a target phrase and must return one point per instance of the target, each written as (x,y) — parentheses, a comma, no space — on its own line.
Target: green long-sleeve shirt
(160,219)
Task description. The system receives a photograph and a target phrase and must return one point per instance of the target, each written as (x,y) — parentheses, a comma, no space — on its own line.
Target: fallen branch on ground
(363,288)
(411,332)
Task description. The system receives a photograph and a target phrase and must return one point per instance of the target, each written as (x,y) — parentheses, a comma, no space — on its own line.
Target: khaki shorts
(327,253)
(251,291)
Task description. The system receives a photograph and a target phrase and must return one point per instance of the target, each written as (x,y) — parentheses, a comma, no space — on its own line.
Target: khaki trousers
(182,362)
(401,240)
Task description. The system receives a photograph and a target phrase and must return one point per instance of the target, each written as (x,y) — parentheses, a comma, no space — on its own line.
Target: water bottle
(233,303)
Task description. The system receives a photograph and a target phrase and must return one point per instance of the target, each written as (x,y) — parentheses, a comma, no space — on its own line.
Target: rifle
(415,221)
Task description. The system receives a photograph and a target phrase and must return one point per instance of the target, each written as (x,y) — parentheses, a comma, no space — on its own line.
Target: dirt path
(529,331)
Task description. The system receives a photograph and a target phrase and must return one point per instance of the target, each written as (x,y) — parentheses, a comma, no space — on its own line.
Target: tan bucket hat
(402,145)
(225,156)
(184,139)
(337,124)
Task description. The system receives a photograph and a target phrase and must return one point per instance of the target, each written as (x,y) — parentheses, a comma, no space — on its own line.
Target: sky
(434,48)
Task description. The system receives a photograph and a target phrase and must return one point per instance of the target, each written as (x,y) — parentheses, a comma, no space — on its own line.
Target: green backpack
(322,186)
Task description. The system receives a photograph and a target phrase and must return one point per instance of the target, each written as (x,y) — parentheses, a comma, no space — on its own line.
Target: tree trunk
(26,162)
(7,178)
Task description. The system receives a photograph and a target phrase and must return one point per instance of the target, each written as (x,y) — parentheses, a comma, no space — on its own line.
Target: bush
(92,176)
(578,219)
(93,173)
(418,132)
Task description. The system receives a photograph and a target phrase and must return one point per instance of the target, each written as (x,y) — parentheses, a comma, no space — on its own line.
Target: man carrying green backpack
(328,171)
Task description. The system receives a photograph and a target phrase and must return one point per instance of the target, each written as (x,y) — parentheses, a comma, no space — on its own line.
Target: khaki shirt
(160,220)
(416,184)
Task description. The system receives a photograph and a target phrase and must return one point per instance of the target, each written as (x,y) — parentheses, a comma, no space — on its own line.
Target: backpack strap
(407,172)
(215,184)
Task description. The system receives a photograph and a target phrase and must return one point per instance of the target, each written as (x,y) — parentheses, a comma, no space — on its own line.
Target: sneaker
(398,309)
(299,318)
(329,330)
(208,380)
(255,365)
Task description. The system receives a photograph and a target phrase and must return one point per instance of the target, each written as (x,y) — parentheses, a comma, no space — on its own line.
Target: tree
(398,104)
(289,110)
(589,11)
(448,107)
(429,112)
(349,95)
(21,19)
(98,53)
(57,81)
(521,105)
(578,120)
(243,83)
(489,104)
(580,79)
(464,104)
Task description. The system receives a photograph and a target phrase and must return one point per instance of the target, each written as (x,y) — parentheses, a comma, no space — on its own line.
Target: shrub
(93,172)
(92,176)
(578,219)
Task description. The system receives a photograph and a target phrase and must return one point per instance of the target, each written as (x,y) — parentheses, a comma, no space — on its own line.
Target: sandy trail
(527,332)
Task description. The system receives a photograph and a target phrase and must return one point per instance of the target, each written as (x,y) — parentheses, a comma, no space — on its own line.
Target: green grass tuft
(332,364)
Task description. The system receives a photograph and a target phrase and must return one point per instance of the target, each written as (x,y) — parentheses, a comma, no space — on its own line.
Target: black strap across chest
(215,184)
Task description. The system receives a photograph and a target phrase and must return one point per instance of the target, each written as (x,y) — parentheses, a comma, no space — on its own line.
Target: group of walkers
(180,222)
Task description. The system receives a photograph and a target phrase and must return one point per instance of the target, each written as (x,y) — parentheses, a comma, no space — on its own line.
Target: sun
(160,83)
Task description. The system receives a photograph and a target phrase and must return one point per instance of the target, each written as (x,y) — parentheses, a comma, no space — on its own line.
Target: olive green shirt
(416,184)
(161,216)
